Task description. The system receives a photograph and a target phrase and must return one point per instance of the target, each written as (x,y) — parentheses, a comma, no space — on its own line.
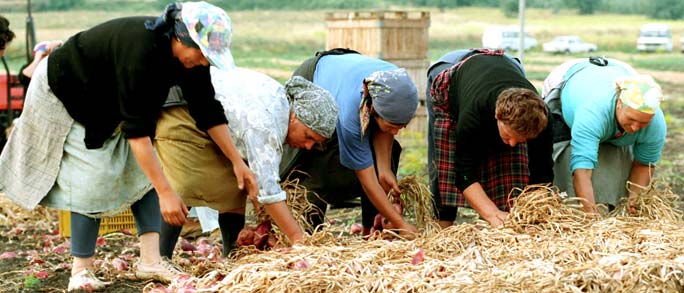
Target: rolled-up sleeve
(264,152)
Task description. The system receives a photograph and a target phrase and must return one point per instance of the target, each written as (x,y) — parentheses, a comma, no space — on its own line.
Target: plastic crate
(116,223)
(16,99)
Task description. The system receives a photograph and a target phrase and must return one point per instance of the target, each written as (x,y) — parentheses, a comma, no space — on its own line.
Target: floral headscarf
(210,28)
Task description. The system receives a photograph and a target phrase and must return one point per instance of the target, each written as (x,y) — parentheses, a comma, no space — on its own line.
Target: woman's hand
(632,204)
(497,219)
(589,207)
(52,45)
(246,179)
(172,208)
(389,182)
(407,229)
(404,228)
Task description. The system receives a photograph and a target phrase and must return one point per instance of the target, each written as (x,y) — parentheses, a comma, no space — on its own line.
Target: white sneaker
(86,280)
(162,271)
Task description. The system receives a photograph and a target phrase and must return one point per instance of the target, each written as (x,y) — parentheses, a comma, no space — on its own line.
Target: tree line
(657,9)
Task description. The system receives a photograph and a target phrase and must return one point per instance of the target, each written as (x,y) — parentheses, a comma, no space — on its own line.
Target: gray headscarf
(312,105)
(393,94)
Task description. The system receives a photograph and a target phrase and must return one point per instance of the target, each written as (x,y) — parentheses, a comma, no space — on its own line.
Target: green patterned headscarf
(312,105)
(639,92)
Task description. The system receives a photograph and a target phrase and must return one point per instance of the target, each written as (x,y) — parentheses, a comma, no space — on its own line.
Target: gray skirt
(609,179)
(46,162)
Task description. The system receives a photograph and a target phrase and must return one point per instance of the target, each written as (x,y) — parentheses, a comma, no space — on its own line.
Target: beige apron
(194,164)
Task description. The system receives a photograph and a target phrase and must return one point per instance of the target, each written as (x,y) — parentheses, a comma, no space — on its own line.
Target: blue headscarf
(393,95)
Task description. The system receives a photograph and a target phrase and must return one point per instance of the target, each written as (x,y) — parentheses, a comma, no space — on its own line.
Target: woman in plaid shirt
(490,134)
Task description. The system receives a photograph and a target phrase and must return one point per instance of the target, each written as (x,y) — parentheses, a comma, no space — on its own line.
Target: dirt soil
(34,258)
(37,259)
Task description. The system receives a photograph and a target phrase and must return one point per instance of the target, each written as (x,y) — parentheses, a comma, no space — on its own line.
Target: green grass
(413,159)
(663,62)
(537,75)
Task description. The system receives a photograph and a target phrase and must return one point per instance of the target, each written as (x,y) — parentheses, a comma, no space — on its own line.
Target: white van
(654,37)
(506,38)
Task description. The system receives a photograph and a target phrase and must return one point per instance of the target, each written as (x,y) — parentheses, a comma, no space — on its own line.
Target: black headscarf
(170,23)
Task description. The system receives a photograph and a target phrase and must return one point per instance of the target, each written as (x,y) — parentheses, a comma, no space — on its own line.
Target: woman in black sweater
(84,143)
(491,134)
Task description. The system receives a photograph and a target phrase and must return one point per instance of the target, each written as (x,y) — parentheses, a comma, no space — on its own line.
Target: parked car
(654,37)
(506,38)
(568,44)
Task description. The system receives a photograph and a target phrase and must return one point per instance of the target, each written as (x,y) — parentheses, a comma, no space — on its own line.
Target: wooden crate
(419,122)
(380,34)
(417,70)
(116,223)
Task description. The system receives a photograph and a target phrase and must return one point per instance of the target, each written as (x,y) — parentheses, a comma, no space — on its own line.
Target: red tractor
(11,100)
(11,90)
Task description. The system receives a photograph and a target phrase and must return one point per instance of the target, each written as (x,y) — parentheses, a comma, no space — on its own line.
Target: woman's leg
(83,238)
(230,223)
(168,238)
(148,222)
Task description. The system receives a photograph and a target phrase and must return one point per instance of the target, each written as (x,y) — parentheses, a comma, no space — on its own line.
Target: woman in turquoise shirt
(617,129)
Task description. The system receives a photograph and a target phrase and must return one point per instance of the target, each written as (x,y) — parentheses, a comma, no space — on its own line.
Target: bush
(666,9)
(509,7)
(587,7)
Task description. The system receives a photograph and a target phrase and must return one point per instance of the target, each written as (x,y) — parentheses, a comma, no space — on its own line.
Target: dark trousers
(230,225)
(84,229)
